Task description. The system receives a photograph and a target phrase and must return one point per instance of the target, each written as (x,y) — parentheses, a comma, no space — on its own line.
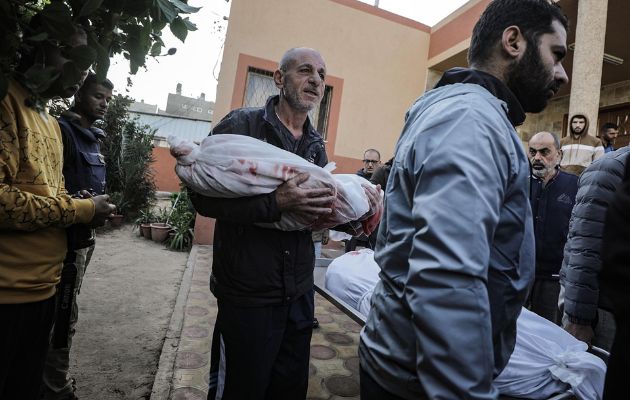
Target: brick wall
(551,118)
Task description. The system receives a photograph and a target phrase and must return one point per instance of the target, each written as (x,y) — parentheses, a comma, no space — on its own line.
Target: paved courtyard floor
(334,365)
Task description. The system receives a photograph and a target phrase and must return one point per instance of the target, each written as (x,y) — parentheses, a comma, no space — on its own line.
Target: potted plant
(117,219)
(182,235)
(145,217)
(160,229)
(182,220)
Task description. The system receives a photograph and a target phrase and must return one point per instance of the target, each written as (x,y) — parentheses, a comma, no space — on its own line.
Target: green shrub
(181,219)
(128,151)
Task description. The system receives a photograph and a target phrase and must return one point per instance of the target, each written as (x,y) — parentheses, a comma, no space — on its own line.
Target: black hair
(533,17)
(91,79)
(609,125)
(374,150)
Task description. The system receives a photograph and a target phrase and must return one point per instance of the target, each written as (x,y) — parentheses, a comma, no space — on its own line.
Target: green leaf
(102,57)
(190,25)
(167,9)
(89,7)
(178,27)
(57,20)
(158,39)
(185,8)
(145,34)
(71,76)
(39,78)
(158,26)
(83,56)
(133,67)
(156,49)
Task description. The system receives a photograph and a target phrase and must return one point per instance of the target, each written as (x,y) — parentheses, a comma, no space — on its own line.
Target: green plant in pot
(116,219)
(182,235)
(182,219)
(145,217)
(160,229)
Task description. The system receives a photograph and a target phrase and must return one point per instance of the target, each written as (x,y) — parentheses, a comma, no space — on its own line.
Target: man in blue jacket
(83,170)
(456,242)
(552,195)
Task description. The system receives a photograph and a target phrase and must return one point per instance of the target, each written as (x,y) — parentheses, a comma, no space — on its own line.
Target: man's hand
(102,210)
(581,332)
(374,199)
(313,202)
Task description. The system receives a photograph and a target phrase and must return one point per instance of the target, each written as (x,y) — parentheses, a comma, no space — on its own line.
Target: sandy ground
(125,306)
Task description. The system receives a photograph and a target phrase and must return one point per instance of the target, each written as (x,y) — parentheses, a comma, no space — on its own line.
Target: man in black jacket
(587,312)
(552,196)
(263,278)
(615,280)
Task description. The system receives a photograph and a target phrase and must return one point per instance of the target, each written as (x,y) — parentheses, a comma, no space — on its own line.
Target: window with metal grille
(260,86)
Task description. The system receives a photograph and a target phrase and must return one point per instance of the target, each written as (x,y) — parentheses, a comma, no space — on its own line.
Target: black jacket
(551,209)
(582,254)
(615,281)
(253,265)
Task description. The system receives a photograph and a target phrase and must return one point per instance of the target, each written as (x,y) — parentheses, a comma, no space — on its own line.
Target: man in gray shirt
(456,242)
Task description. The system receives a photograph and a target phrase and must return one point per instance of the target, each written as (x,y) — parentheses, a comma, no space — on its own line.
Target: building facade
(379,63)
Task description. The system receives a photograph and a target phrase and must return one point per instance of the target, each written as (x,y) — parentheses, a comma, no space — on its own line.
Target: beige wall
(383,63)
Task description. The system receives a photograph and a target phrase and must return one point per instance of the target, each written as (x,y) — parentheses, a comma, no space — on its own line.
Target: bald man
(552,197)
(263,278)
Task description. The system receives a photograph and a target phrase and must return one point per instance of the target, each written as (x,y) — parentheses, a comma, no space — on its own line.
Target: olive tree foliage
(132,28)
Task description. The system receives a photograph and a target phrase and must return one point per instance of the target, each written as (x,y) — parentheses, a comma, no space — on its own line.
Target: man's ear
(513,42)
(278,78)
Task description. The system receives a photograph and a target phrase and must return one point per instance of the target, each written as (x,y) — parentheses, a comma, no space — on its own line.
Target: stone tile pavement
(185,360)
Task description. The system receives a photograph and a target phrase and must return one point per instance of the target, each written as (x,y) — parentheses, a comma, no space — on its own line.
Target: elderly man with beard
(579,149)
(552,195)
(456,242)
(263,278)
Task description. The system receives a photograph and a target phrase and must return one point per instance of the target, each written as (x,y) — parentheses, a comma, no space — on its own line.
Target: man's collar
(515,112)
(75,119)
(71,116)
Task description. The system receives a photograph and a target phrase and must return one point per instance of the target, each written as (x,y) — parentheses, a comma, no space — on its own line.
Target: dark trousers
(371,390)
(543,299)
(619,362)
(24,337)
(261,352)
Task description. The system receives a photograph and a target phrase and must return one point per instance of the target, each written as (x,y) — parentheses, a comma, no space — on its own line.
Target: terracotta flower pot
(146,230)
(116,220)
(159,232)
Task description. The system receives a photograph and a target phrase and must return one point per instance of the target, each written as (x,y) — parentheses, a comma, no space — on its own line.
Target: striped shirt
(577,154)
